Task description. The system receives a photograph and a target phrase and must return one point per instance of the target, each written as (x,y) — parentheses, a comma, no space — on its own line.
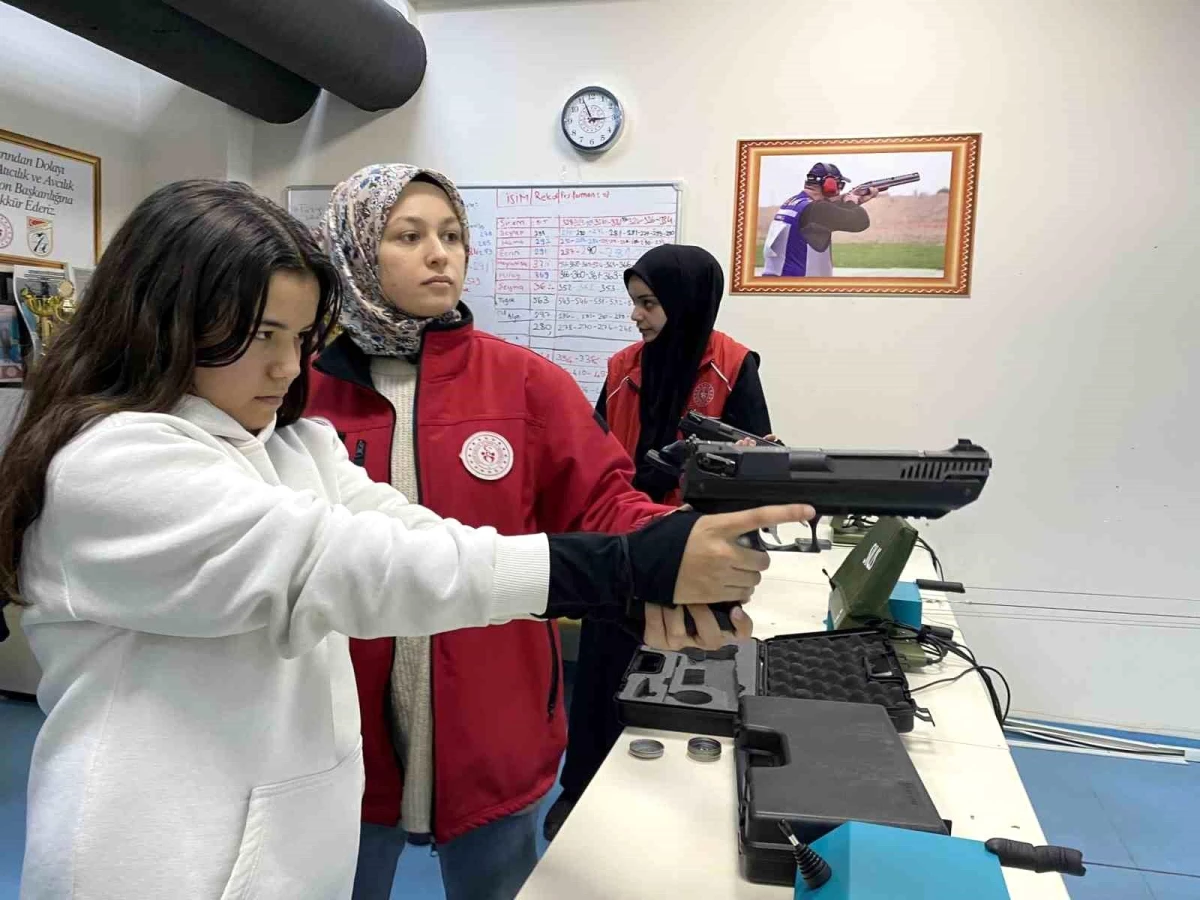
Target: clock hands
(590,128)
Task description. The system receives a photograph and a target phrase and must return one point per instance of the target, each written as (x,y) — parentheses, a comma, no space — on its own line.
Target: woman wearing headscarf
(463,732)
(681,364)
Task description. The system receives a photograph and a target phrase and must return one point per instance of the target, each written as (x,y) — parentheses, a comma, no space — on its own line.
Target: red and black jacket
(499,728)
(726,388)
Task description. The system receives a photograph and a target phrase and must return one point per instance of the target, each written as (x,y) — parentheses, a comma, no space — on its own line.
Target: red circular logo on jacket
(487,455)
(703,395)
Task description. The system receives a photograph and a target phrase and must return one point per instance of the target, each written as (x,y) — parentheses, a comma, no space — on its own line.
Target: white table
(668,827)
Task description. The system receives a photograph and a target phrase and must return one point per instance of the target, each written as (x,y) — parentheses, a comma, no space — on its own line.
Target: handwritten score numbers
(547,267)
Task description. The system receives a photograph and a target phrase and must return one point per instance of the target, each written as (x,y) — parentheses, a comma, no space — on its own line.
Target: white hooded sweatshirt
(191,588)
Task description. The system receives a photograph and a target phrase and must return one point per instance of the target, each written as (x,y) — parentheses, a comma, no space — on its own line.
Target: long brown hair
(182,284)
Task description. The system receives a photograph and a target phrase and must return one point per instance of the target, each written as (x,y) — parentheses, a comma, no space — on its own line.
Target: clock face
(592,120)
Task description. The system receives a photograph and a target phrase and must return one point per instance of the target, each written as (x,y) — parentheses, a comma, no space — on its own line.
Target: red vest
(719,369)
(499,729)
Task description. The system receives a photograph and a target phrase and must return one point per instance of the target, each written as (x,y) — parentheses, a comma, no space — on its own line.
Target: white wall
(186,134)
(60,88)
(146,128)
(1075,359)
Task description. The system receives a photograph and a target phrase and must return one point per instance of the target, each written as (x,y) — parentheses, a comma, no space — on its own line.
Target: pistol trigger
(773,531)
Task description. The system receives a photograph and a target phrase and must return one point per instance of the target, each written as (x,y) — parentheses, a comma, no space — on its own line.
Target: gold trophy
(52,308)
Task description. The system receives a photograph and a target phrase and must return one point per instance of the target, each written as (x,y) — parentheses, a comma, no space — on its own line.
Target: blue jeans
(489,863)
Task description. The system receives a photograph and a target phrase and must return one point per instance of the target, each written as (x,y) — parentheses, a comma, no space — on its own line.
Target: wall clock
(592,120)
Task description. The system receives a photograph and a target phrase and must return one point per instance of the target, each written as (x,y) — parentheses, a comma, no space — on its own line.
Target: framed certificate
(49,204)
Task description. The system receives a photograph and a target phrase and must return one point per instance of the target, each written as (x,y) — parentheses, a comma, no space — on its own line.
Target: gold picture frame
(77,156)
(924,227)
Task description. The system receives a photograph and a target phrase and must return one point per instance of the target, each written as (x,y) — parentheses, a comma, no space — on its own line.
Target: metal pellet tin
(704,749)
(645,748)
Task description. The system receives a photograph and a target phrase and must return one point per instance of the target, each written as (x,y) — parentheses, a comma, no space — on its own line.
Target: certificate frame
(78,156)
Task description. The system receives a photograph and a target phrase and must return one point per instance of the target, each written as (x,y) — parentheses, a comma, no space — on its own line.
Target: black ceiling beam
(364,51)
(176,45)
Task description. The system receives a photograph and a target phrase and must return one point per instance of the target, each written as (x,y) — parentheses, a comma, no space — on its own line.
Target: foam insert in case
(698,691)
(693,690)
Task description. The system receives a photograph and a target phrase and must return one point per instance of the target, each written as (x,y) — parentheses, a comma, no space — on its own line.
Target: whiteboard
(307,202)
(547,263)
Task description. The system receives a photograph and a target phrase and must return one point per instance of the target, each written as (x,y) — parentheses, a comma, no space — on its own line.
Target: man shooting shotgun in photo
(799,241)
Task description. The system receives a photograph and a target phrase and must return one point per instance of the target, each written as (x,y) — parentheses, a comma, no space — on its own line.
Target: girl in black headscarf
(681,364)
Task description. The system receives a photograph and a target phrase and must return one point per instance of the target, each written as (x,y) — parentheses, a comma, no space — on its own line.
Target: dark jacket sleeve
(820,220)
(835,216)
(746,407)
(610,577)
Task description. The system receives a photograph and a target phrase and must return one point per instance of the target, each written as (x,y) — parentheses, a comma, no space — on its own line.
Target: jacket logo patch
(703,395)
(487,455)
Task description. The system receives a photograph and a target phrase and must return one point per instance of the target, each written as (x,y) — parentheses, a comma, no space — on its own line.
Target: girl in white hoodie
(192,556)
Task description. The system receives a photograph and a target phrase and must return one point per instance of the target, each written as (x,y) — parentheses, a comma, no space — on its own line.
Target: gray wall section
(10,404)
(18,669)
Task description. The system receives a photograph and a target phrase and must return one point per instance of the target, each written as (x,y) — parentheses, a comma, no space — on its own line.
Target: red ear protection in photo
(827,177)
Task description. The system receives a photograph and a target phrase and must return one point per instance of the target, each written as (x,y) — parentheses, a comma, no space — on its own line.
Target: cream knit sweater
(396,380)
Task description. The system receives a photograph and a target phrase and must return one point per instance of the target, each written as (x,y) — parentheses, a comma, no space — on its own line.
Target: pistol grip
(752,540)
(721,612)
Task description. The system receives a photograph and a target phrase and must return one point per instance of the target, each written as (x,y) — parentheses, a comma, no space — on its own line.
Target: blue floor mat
(1119,812)
(1109,884)
(1172,887)
(19,724)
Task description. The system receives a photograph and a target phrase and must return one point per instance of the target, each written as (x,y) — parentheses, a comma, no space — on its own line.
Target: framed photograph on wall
(49,204)
(861,216)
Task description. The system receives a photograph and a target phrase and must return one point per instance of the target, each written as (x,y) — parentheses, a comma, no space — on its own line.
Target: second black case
(818,764)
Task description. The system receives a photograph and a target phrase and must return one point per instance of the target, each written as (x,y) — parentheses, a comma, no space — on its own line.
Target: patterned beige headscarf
(352,231)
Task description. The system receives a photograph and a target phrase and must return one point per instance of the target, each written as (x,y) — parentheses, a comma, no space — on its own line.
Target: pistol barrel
(927,485)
